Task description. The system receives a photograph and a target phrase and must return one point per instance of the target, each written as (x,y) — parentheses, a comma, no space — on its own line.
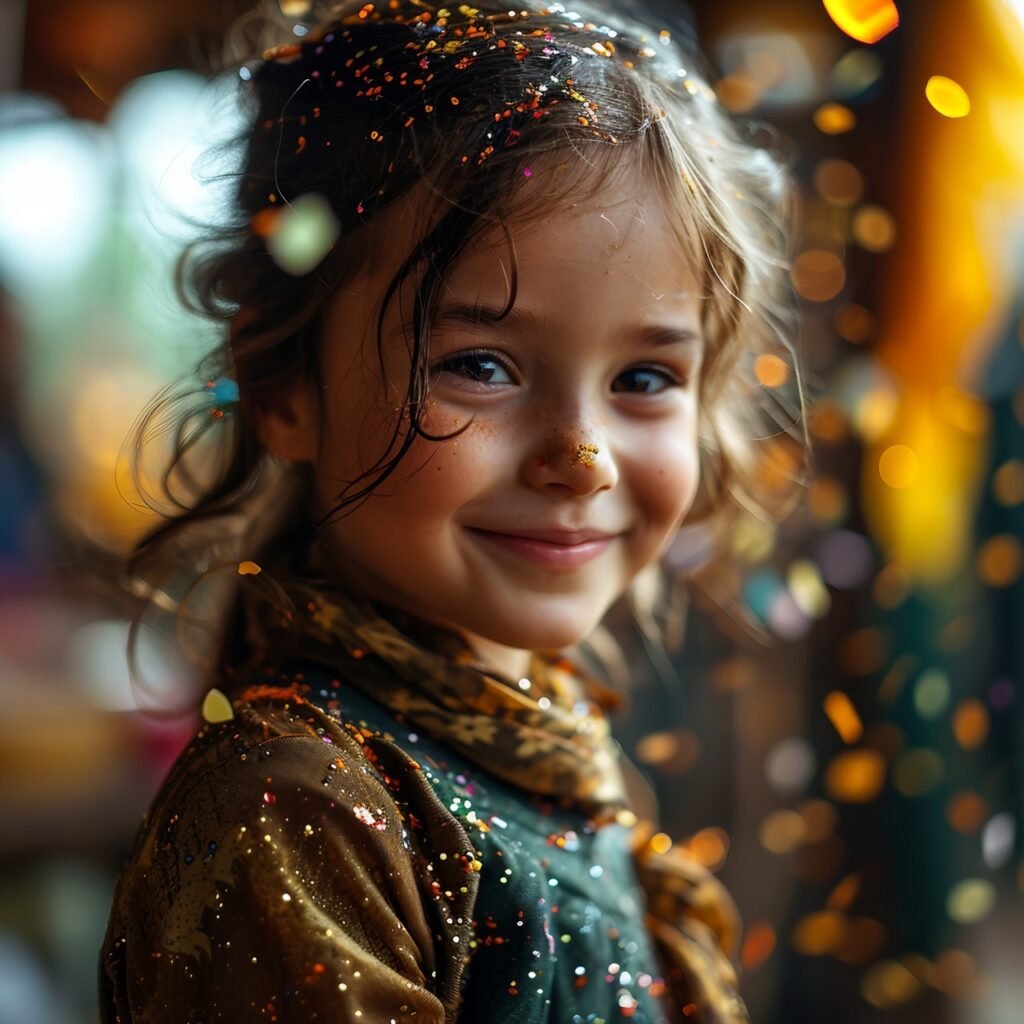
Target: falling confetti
(217,708)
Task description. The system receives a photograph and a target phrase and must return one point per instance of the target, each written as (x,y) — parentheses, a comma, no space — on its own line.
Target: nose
(581,462)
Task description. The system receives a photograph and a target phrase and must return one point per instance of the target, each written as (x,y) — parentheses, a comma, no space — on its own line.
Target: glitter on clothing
(421,885)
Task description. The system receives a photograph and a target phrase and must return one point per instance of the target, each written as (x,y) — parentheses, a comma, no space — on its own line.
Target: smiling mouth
(542,552)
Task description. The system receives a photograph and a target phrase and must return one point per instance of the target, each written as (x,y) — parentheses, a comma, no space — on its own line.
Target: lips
(563,538)
(559,550)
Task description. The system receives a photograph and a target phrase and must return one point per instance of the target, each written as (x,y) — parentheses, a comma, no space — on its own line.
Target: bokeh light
(834,119)
(843,716)
(867,21)
(56,177)
(855,776)
(970,900)
(949,98)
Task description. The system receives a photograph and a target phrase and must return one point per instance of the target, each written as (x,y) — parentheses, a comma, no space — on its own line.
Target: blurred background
(857,776)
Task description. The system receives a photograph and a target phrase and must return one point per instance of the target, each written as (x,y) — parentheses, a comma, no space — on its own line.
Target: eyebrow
(524,321)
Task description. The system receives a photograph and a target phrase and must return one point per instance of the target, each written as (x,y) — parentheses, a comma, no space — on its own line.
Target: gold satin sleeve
(277,879)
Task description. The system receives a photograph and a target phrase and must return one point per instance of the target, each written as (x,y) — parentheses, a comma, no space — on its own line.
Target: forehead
(615,244)
(614,239)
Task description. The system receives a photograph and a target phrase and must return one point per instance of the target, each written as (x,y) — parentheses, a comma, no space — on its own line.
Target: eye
(650,371)
(477,366)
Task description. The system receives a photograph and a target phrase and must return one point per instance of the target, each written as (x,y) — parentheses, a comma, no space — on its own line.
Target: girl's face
(603,348)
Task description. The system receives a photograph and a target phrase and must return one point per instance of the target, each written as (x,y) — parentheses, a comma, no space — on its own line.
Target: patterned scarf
(546,733)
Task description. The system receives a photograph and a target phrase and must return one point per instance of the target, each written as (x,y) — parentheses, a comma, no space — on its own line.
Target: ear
(290,426)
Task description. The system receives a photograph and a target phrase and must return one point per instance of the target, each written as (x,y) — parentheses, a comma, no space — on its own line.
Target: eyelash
(483,355)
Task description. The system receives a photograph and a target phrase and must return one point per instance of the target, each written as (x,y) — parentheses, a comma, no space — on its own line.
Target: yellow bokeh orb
(949,98)
(898,466)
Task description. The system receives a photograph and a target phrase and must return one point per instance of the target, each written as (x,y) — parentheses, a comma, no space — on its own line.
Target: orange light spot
(844,893)
(1000,560)
(827,499)
(710,846)
(874,228)
(898,466)
(819,933)
(758,945)
(843,716)
(949,98)
(1008,483)
(867,21)
(970,723)
(854,323)
(771,371)
(839,182)
(834,119)
(855,776)
(818,275)
(966,812)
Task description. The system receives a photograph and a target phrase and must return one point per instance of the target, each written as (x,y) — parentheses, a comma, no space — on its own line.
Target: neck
(510,662)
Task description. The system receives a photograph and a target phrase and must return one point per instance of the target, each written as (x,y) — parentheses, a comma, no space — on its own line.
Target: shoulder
(289,836)
(282,751)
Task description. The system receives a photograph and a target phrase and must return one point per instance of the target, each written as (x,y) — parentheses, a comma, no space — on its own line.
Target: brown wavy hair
(590,91)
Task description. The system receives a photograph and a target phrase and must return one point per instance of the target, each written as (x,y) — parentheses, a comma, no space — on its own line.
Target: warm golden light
(1008,483)
(839,182)
(758,945)
(782,831)
(820,933)
(710,846)
(738,93)
(827,500)
(966,812)
(844,893)
(834,119)
(948,97)
(897,466)
(818,275)
(854,323)
(855,776)
(771,371)
(888,984)
(1000,560)
(867,21)
(970,723)
(843,716)
(874,229)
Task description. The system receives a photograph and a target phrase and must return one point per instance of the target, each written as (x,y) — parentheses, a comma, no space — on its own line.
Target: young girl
(467,411)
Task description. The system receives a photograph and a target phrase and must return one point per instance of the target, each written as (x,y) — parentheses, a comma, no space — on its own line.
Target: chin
(546,633)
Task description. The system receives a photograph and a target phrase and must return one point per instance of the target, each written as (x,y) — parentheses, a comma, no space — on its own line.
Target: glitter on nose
(585,454)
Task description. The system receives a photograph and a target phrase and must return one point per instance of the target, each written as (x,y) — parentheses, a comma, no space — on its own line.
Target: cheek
(665,475)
